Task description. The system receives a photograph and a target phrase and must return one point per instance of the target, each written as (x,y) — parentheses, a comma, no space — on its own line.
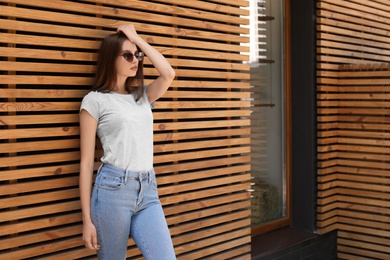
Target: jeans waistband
(132,175)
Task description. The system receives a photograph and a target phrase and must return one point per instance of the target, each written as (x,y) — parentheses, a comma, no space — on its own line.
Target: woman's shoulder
(92,98)
(93,94)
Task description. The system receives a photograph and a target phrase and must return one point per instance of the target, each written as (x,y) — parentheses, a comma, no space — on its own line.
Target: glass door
(269,117)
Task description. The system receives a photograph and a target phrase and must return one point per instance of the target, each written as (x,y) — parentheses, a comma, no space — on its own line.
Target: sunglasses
(129,57)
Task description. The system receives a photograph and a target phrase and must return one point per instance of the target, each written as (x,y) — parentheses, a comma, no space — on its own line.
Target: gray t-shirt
(125,128)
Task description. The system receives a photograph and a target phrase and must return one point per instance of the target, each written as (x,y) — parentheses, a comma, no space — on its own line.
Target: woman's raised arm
(158,87)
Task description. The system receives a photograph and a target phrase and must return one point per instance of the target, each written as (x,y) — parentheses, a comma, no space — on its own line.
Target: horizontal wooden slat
(38,250)
(203,194)
(211,231)
(39,132)
(36,224)
(48,67)
(45,80)
(197,215)
(205,203)
(42,93)
(14,174)
(215,249)
(363,230)
(201,145)
(201,175)
(198,125)
(47,41)
(38,198)
(202,184)
(360,237)
(372,250)
(209,222)
(39,146)
(210,84)
(202,154)
(367,57)
(39,211)
(32,53)
(19,188)
(202,104)
(38,237)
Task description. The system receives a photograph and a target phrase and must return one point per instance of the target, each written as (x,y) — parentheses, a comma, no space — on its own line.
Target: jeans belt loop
(126,174)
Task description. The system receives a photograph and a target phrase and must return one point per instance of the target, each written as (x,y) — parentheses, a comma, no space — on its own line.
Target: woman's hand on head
(129,31)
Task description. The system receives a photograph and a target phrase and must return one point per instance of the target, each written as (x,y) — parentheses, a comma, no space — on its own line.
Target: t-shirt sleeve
(90,103)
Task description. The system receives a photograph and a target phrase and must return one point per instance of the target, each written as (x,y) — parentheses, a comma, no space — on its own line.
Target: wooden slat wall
(202,126)
(353,126)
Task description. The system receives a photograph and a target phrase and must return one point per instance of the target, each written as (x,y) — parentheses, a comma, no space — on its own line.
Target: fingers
(126,27)
(88,245)
(129,31)
(95,244)
(91,242)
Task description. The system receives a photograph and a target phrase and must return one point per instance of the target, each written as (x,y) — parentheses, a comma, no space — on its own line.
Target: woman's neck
(120,86)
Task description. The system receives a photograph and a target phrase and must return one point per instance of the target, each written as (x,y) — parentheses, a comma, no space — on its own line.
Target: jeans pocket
(110,182)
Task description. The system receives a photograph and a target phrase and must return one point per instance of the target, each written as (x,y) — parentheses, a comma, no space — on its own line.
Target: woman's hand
(130,32)
(90,237)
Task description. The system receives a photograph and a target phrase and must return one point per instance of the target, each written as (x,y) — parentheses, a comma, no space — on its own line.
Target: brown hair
(106,74)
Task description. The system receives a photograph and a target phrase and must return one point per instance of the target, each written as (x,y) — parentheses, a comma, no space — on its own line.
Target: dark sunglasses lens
(128,56)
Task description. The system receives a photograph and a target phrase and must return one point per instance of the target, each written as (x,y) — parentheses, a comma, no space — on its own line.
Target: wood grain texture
(202,139)
(352,123)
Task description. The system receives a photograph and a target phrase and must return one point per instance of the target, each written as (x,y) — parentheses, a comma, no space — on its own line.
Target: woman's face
(125,68)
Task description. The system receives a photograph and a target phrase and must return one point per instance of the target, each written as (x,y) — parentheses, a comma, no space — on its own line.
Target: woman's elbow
(171,74)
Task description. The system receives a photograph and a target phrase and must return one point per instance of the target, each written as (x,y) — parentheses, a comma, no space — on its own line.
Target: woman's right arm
(88,126)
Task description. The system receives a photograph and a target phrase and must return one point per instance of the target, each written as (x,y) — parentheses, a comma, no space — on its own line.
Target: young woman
(124,200)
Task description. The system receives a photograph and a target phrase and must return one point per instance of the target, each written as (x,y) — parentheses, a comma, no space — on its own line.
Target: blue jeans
(124,204)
